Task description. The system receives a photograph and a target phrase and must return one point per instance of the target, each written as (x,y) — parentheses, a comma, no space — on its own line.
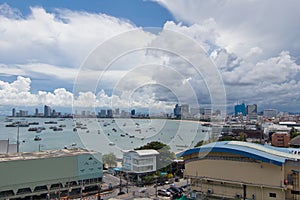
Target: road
(133,191)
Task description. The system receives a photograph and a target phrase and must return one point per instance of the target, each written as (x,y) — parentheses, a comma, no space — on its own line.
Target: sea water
(105,135)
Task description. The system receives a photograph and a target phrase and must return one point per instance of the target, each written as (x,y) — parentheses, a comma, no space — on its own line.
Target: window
(271,194)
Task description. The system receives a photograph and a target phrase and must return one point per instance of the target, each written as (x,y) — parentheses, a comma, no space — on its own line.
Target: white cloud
(63,38)
(271,25)
(253,55)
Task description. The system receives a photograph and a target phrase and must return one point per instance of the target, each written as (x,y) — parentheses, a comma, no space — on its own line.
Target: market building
(241,170)
(50,174)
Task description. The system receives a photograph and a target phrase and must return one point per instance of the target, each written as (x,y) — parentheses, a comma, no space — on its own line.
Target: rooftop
(43,154)
(264,153)
(145,152)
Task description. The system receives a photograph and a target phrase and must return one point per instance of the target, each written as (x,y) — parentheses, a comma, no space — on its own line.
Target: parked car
(163,192)
(176,193)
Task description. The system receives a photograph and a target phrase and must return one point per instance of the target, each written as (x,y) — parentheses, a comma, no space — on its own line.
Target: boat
(132,136)
(37,138)
(122,135)
(33,123)
(57,129)
(18,124)
(74,144)
(111,144)
(50,122)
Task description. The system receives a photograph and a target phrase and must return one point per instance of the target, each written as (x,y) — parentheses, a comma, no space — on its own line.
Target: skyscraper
(252,111)
(240,109)
(177,111)
(13,114)
(36,112)
(47,111)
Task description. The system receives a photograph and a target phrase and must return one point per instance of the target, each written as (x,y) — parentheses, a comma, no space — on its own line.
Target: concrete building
(280,139)
(251,111)
(240,109)
(140,161)
(270,113)
(13,112)
(241,170)
(109,113)
(185,110)
(177,111)
(47,111)
(49,174)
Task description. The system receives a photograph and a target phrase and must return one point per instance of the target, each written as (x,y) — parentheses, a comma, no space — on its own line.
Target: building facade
(140,161)
(280,139)
(50,174)
(240,109)
(241,170)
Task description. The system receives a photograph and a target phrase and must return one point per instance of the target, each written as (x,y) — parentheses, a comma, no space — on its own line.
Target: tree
(199,144)
(165,156)
(110,160)
(293,133)
(242,136)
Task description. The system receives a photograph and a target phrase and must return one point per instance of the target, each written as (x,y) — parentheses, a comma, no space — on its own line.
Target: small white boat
(111,144)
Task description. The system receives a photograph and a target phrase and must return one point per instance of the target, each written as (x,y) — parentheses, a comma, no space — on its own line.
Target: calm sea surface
(104,135)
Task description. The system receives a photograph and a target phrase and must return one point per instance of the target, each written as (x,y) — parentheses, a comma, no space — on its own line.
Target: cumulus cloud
(125,66)
(270,25)
(254,44)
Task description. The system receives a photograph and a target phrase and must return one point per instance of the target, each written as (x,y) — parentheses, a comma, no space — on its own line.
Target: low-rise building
(140,161)
(280,139)
(241,170)
(49,174)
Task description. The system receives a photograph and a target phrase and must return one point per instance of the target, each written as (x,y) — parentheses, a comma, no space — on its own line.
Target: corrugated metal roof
(264,153)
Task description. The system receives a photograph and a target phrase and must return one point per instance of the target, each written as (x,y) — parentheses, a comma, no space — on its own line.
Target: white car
(163,192)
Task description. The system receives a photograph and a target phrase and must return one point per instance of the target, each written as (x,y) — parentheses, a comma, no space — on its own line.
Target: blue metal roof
(263,153)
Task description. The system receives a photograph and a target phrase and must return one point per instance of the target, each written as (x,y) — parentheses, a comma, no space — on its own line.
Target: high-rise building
(177,111)
(117,111)
(13,114)
(240,109)
(22,113)
(102,113)
(185,110)
(132,112)
(47,111)
(252,111)
(36,112)
(269,113)
(109,113)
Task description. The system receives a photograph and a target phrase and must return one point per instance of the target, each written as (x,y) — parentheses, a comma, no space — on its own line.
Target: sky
(102,53)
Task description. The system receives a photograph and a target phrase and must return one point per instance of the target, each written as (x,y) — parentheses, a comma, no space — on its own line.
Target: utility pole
(99,191)
(18,139)
(120,184)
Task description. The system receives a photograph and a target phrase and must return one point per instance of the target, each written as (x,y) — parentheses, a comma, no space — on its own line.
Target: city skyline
(257,59)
